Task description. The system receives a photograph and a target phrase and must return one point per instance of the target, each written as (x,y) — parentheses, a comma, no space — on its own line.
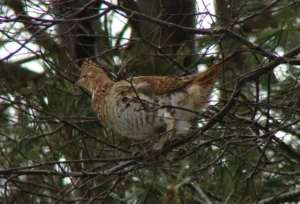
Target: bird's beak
(77,83)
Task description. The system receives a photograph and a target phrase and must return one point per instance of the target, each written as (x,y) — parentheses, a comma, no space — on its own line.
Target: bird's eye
(84,76)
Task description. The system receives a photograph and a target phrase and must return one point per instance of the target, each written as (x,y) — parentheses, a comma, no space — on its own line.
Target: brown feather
(132,108)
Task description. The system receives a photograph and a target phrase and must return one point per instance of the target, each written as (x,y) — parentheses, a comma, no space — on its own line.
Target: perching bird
(148,107)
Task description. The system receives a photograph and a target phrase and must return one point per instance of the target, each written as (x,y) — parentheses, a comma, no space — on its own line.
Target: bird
(149,108)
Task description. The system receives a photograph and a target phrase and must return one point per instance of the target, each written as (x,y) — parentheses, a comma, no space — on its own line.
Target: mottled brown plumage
(145,107)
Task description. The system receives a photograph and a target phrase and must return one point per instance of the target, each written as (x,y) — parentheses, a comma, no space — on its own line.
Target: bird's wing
(159,85)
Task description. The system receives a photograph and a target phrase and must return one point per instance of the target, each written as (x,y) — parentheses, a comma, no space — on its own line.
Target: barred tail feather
(210,75)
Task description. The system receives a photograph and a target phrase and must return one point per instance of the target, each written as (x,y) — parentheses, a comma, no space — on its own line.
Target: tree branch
(285,197)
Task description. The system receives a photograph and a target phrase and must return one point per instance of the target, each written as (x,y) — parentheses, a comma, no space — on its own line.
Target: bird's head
(91,75)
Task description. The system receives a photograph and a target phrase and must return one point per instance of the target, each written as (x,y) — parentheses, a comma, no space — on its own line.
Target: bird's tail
(209,76)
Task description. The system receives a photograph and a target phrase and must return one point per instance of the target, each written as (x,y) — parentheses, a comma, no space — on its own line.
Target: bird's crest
(89,65)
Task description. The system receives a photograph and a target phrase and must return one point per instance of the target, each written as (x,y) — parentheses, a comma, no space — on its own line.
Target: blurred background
(53,148)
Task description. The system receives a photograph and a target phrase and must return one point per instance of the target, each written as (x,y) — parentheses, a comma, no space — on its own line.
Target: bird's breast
(136,117)
(139,116)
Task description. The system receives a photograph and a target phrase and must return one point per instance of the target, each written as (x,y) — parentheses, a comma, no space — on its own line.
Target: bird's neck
(100,91)
(101,84)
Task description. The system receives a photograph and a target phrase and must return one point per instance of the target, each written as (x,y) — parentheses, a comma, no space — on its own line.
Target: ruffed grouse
(148,107)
